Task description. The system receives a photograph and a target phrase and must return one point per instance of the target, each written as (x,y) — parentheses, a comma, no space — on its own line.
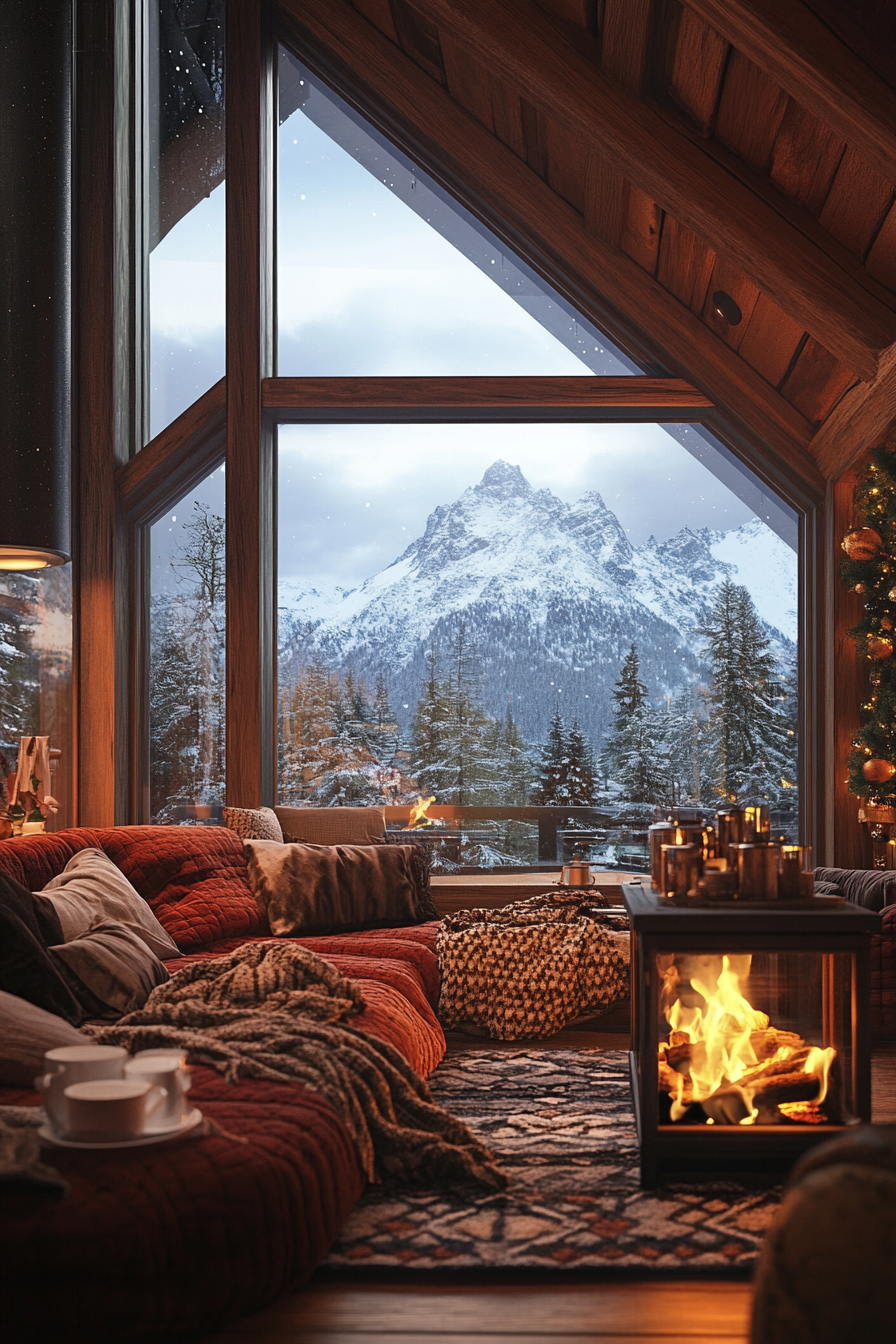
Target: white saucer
(49,1135)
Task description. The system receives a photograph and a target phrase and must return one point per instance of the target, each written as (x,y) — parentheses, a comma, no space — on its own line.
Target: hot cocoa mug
(109,1110)
(70,1064)
(164,1069)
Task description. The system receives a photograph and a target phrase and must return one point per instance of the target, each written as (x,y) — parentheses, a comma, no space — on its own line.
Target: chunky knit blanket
(532,967)
(274,1010)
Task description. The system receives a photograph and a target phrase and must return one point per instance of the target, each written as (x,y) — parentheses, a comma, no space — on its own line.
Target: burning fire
(722,1052)
(418,813)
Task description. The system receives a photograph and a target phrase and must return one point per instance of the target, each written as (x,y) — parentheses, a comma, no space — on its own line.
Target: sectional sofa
(180,1238)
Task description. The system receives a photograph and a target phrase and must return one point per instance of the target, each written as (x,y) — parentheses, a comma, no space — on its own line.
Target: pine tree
(630,693)
(748,745)
(383,732)
(635,753)
(552,787)
(19,681)
(429,734)
(580,768)
(472,774)
(187,653)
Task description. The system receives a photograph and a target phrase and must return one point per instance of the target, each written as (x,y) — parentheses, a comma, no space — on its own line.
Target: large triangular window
(380,272)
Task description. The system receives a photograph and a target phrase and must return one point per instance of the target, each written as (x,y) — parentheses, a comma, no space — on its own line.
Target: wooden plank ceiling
(743,146)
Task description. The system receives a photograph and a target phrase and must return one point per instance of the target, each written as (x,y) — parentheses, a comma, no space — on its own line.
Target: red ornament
(878,771)
(886,623)
(862,544)
(879,649)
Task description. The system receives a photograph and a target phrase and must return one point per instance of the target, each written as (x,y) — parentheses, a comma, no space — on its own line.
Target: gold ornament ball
(879,649)
(886,623)
(860,588)
(863,544)
(878,771)
(892,594)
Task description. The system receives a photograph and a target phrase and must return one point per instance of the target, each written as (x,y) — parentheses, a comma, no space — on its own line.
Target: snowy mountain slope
(551,595)
(766,566)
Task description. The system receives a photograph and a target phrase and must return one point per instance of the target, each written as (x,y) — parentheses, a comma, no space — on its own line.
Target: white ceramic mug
(108,1110)
(70,1064)
(164,1069)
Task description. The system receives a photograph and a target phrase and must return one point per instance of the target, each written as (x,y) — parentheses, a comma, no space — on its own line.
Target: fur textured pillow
(253,823)
(334,888)
(26,1034)
(110,969)
(91,888)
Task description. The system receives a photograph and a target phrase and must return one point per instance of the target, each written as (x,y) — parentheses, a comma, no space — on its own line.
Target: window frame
(235,422)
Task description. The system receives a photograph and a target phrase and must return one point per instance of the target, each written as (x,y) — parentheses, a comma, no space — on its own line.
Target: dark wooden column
(96,650)
(249,490)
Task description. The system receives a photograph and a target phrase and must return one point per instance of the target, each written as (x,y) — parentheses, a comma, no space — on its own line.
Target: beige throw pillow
(26,1034)
(91,888)
(331,825)
(334,888)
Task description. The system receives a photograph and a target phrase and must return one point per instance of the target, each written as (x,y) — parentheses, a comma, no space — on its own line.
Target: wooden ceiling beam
(864,417)
(779,247)
(599,281)
(790,43)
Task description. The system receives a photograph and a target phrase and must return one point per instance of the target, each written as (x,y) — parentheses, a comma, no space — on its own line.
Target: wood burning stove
(750,1030)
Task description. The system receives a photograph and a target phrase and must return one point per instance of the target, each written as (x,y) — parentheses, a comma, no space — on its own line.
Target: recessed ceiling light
(724,305)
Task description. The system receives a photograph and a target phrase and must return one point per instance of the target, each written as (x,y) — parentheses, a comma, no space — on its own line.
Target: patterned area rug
(561,1125)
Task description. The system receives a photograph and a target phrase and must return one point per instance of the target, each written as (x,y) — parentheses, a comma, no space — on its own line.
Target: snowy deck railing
(555,823)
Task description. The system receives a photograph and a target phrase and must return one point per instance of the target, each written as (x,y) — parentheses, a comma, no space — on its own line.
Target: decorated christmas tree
(870,570)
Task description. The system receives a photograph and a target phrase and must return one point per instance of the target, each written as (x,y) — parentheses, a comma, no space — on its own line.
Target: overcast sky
(367,287)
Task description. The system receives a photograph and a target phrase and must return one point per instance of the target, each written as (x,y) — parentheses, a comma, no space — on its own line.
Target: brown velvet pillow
(111,970)
(26,1034)
(334,888)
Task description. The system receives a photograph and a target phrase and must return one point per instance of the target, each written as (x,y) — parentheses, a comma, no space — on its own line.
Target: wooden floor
(464,1310)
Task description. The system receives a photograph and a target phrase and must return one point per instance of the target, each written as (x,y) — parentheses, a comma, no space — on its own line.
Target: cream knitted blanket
(532,967)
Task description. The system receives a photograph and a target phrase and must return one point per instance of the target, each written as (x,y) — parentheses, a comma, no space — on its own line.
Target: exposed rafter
(602,283)
(789,42)
(865,417)
(778,246)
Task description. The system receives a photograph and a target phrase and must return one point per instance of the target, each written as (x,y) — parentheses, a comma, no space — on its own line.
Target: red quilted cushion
(194,877)
(176,1240)
(34,859)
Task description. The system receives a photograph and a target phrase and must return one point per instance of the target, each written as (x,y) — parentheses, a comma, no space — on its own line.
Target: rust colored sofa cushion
(177,1240)
(194,877)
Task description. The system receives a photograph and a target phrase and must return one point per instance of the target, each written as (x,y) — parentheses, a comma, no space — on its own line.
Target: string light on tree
(867,571)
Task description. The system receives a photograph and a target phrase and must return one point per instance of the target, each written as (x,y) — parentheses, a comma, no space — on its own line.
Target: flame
(721,1030)
(819,1062)
(418,812)
(723,1026)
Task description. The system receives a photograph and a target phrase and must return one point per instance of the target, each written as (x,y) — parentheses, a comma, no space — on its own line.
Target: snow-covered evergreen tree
(552,786)
(580,769)
(748,747)
(186,691)
(635,755)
